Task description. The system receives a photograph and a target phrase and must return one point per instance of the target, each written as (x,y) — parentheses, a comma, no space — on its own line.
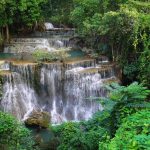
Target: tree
(120,28)
(29,11)
(84,10)
(59,12)
(144,65)
(19,12)
(7,11)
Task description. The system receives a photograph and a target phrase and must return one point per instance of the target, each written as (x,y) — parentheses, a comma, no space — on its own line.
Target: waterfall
(4,65)
(48,25)
(19,45)
(59,42)
(66,89)
(19,99)
(50,40)
(51,83)
(66,92)
(77,89)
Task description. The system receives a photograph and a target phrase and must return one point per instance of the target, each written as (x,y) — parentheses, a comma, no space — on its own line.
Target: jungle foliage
(119,29)
(126,111)
(133,133)
(18,14)
(13,136)
(116,28)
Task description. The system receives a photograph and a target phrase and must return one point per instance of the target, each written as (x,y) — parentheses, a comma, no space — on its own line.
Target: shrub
(134,133)
(41,55)
(73,136)
(13,136)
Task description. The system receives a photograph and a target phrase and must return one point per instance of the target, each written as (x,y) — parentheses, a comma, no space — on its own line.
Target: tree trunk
(1,39)
(112,50)
(7,33)
(35,26)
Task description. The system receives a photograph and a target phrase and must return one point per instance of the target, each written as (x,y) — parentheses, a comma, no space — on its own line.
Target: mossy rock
(38,118)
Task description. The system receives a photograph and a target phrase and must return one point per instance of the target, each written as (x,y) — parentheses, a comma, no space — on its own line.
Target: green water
(8,56)
(76,53)
(43,138)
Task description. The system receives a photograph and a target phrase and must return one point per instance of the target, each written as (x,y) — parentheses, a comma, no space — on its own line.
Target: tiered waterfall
(66,90)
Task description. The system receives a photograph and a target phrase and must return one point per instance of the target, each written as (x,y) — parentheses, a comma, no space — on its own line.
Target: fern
(124,101)
(132,92)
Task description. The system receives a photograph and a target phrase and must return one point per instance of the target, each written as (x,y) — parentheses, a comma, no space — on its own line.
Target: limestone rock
(38,118)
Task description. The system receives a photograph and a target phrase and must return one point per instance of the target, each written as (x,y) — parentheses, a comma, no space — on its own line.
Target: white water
(4,66)
(18,98)
(48,25)
(19,45)
(66,92)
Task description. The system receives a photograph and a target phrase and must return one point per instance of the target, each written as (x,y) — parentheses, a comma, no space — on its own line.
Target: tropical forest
(74,74)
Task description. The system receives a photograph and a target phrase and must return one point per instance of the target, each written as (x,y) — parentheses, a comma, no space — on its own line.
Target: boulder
(38,118)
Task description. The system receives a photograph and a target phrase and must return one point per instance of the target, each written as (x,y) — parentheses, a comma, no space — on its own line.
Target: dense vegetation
(119,29)
(126,112)
(13,136)
(19,14)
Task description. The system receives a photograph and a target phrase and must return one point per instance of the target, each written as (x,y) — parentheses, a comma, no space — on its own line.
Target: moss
(38,118)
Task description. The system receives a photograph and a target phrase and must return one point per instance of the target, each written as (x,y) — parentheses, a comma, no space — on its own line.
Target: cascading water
(19,45)
(18,98)
(51,76)
(48,25)
(44,42)
(77,89)
(65,90)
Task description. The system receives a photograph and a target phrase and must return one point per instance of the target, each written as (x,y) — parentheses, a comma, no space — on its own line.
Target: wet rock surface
(38,118)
